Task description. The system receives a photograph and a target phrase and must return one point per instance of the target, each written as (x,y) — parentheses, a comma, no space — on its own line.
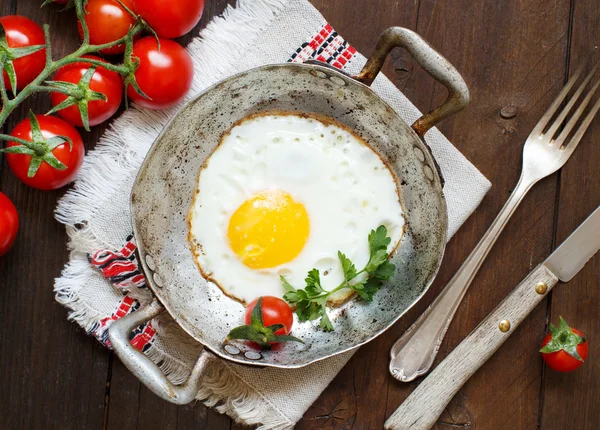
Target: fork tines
(559,123)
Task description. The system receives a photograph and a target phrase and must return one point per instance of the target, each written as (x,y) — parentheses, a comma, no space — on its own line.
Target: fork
(546,150)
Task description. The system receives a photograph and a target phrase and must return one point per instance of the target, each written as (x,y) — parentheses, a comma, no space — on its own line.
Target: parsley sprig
(311,302)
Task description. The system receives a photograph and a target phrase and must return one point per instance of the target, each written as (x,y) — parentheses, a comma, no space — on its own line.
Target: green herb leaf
(376,260)
(307,310)
(294,296)
(325,322)
(347,267)
(286,285)
(378,240)
(313,283)
(311,302)
(385,271)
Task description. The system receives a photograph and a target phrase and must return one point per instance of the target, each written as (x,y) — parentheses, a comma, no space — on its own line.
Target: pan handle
(433,62)
(144,368)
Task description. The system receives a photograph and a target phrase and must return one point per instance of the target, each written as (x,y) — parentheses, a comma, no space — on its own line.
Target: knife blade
(570,257)
(426,403)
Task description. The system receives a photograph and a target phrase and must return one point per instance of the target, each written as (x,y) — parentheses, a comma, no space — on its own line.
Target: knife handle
(427,402)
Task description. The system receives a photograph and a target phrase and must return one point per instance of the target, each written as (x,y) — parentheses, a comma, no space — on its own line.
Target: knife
(427,402)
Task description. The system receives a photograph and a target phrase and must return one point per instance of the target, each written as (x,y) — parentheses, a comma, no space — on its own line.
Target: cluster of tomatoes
(163,76)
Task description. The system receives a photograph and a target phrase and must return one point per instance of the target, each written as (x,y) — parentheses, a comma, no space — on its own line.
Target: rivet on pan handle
(144,368)
(434,63)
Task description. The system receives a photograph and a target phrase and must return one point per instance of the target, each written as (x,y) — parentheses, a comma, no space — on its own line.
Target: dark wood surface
(511,53)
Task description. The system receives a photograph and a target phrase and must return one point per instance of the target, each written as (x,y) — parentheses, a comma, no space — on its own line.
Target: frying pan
(165,185)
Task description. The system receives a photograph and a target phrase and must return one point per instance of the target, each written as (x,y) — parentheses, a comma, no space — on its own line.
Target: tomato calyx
(563,338)
(8,55)
(80,94)
(39,148)
(257,332)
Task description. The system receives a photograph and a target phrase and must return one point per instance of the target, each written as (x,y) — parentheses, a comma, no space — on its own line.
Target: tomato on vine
(45,152)
(164,75)
(9,224)
(168,18)
(22,46)
(107,22)
(89,95)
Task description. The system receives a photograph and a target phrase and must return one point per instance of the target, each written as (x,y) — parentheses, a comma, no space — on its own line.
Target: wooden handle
(424,406)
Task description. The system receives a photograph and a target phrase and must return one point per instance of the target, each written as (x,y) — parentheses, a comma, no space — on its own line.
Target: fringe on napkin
(111,164)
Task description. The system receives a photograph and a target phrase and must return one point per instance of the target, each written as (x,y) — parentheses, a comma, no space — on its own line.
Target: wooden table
(515,56)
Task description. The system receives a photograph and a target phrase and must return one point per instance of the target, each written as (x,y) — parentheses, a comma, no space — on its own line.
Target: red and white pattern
(326,46)
(122,270)
(121,267)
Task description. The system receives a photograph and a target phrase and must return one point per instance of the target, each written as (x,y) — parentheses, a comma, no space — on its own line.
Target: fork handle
(422,408)
(413,354)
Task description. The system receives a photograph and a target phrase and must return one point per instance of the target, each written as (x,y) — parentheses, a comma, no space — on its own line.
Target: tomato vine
(41,83)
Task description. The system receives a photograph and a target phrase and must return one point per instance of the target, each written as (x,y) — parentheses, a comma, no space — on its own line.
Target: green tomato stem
(37,85)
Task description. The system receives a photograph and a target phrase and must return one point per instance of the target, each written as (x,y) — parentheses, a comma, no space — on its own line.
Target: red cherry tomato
(47,177)
(164,75)
(107,21)
(20,32)
(562,361)
(103,81)
(9,224)
(168,18)
(274,311)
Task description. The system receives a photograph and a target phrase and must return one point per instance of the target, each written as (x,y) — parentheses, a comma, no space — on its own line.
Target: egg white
(345,187)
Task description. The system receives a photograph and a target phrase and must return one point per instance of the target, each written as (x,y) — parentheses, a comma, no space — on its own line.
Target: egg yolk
(268,229)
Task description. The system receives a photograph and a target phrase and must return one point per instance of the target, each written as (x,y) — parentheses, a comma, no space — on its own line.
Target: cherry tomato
(103,81)
(21,32)
(563,360)
(274,311)
(9,224)
(47,177)
(168,18)
(107,21)
(164,75)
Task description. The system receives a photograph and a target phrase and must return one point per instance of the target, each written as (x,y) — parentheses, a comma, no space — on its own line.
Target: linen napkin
(101,281)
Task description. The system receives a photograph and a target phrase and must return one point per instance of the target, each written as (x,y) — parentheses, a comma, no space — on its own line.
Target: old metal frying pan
(166,182)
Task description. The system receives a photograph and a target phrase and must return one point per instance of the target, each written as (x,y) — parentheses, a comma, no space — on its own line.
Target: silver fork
(543,154)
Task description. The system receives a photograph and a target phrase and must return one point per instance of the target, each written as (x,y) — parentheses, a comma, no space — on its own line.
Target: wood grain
(579,300)
(512,54)
(51,372)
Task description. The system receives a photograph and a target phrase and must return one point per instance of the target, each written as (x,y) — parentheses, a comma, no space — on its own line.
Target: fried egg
(281,195)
